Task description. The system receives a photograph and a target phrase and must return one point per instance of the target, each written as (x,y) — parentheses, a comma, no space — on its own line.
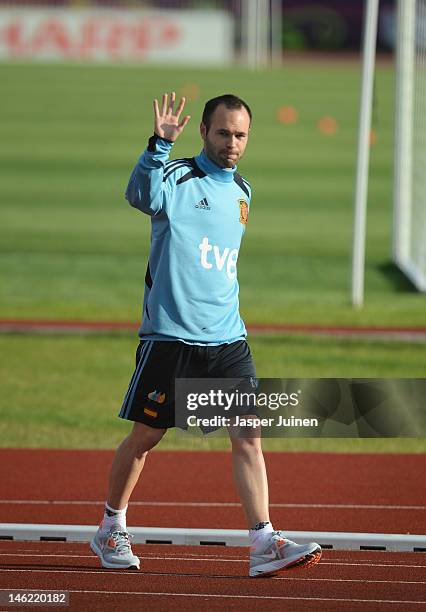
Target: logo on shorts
(253,382)
(149,412)
(157,396)
(243,211)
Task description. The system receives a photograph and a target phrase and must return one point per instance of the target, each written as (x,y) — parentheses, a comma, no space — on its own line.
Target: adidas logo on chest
(203,204)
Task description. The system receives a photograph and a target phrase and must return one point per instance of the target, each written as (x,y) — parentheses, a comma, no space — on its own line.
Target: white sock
(259,534)
(114,518)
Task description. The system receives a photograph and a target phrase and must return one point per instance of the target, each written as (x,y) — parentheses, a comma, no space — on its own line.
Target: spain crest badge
(243,211)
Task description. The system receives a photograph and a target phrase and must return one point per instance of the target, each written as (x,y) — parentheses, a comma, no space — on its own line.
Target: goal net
(409,227)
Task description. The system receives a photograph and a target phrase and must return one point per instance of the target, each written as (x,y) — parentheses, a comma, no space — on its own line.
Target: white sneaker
(281,554)
(114,550)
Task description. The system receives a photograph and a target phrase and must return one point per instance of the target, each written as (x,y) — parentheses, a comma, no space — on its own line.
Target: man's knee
(246,445)
(144,438)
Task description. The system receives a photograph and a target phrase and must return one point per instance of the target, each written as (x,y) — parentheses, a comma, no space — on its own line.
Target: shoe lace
(278,535)
(122,541)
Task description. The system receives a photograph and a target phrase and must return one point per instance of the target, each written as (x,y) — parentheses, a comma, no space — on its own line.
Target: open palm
(167,123)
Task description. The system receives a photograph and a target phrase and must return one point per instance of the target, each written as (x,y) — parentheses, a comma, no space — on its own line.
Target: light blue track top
(198,215)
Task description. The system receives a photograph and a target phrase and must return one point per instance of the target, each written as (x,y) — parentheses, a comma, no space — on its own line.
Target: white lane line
(351,580)
(172,504)
(280,597)
(69,556)
(366,563)
(229,596)
(100,570)
(296,579)
(76,571)
(145,548)
(207,557)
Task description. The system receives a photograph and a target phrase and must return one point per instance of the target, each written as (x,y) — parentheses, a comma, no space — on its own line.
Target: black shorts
(150,398)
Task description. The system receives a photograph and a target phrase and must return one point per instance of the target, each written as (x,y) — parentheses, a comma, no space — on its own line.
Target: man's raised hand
(166,121)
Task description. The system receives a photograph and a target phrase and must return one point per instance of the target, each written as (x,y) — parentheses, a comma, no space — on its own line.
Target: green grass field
(66,391)
(71,247)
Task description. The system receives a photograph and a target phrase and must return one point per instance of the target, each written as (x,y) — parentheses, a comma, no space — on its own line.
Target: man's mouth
(230,154)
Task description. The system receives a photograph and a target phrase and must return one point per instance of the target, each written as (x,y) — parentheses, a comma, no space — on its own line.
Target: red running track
(186,578)
(308,491)
(72,326)
(324,492)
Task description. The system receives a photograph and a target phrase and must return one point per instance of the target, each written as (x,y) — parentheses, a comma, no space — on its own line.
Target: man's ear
(203,130)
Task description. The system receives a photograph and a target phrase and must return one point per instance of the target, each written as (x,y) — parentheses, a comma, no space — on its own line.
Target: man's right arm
(146,189)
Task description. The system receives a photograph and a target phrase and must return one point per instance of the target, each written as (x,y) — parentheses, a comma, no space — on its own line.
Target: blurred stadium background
(78,78)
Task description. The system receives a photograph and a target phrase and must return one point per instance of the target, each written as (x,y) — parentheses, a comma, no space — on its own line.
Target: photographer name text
(250,421)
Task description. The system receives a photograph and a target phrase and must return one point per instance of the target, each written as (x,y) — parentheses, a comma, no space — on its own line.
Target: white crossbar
(226,537)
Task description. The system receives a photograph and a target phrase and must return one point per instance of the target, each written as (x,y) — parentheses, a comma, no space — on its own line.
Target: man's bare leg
(129,461)
(111,542)
(250,477)
(270,551)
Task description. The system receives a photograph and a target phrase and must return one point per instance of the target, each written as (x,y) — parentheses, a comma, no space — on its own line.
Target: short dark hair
(229,100)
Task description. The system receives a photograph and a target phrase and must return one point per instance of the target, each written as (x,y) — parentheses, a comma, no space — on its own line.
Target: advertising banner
(106,35)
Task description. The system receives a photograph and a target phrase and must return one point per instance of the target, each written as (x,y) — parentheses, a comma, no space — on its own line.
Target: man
(191,325)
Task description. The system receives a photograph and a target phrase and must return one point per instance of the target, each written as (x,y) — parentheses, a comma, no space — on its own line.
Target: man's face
(227,137)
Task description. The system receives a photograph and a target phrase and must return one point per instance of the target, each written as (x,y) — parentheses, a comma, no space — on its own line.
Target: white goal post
(363,155)
(409,189)
(409,219)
